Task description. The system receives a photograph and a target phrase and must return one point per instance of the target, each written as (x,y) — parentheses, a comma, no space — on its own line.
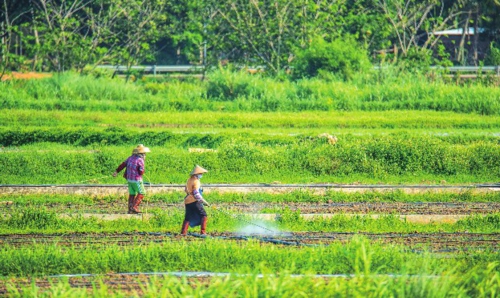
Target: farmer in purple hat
(134,169)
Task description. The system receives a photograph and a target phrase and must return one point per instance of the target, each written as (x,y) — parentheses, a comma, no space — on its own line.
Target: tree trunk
(476,34)
(461,48)
(37,41)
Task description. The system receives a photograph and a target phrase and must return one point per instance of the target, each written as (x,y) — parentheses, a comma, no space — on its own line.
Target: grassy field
(342,122)
(401,129)
(35,219)
(297,196)
(395,159)
(367,262)
(229,91)
(480,282)
(389,128)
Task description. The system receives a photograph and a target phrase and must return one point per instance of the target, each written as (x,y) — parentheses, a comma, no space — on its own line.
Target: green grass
(478,282)
(295,196)
(395,159)
(26,220)
(405,144)
(391,130)
(358,256)
(299,122)
(234,92)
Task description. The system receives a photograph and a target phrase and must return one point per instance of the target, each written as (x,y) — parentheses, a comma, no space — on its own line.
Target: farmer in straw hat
(195,213)
(134,169)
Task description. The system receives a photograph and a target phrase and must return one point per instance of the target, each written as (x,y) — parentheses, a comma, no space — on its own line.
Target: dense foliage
(54,35)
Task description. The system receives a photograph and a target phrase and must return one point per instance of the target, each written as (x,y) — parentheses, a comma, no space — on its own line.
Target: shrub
(494,55)
(342,57)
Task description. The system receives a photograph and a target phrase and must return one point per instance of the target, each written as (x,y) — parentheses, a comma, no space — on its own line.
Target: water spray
(246,221)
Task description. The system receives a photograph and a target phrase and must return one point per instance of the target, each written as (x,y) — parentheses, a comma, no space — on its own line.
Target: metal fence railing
(155,69)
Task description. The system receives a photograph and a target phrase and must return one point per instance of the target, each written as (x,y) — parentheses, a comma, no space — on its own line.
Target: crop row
(220,121)
(246,93)
(35,220)
(356,256)
(297,196)
(396,158)
(477,282)
(67,134)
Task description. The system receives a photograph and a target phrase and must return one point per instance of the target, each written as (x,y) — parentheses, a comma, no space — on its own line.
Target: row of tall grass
(358,256)
(295,196)
(333,121)
(238,91)
(40,220)
(98,137)
(393,159)
(477,282)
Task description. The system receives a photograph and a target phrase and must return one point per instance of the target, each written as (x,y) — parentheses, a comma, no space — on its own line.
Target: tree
(11,54)
(99,41)
(184,29)
(342,56)
(479,14)
(61,23)
(269,31)
(261,28)
(137,29)
(413,22)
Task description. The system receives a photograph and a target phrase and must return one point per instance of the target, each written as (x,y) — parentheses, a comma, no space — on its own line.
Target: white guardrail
(465,69)
(199,68)
(154,68)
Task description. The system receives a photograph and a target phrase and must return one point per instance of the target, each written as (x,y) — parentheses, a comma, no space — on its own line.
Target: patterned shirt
(192,190)
(135,168)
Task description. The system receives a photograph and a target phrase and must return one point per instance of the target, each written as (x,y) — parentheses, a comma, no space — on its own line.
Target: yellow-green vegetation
(478,282)
(41,220)
(402,129)
(399,158)
(342,122)
(380,128)
(243,92)
(357,257)
(297,196)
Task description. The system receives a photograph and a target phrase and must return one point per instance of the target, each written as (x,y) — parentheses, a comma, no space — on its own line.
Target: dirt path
(434,242)
(102,189)
(430,208)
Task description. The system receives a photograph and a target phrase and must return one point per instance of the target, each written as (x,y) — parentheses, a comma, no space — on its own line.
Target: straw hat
(198,170)
(140,149)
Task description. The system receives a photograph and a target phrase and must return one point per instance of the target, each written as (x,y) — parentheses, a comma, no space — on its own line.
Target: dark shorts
(194,213)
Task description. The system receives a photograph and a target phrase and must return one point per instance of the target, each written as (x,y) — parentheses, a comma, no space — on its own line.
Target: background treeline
(58,35)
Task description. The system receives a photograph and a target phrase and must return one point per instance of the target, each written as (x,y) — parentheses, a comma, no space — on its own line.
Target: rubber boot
(185,227)
(131,199)
(138,200)
(203,229)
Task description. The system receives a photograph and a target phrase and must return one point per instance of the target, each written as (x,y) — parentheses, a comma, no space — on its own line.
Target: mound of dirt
(25,75)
